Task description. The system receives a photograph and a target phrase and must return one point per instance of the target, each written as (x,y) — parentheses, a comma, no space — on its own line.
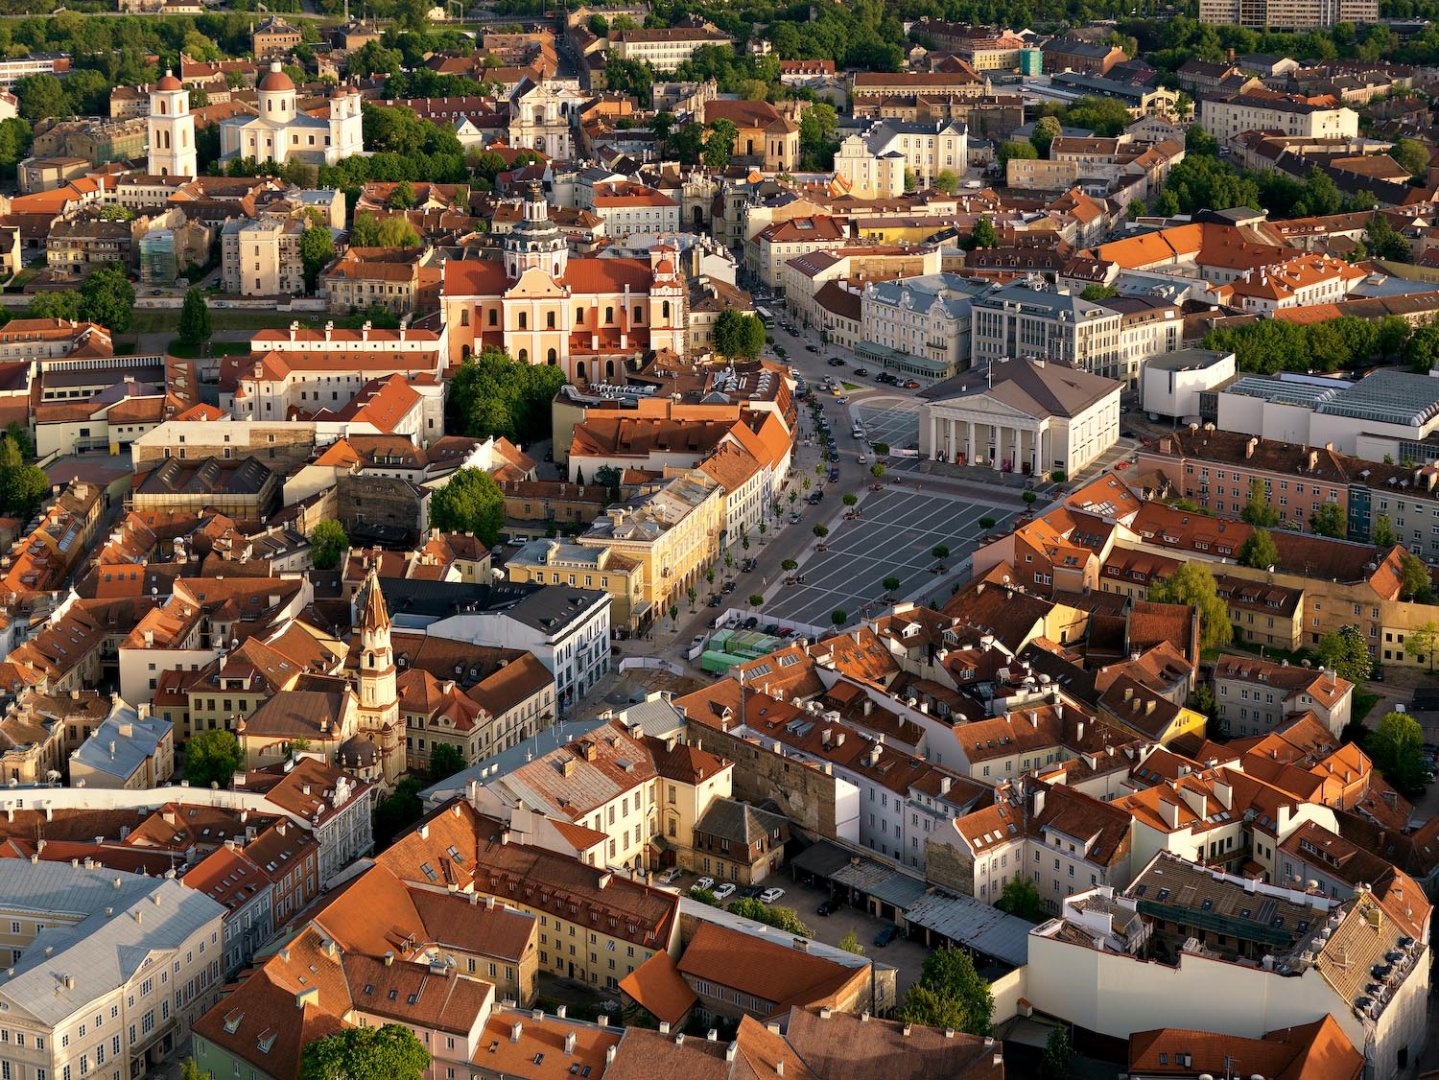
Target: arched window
(580,370)
(553,358)
(666,309)
(609,315)
(465,352)
(609,369)
(163,109)
(524,356)
(579,316)
(549,320)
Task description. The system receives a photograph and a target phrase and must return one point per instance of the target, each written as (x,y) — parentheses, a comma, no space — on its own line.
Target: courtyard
(895,535)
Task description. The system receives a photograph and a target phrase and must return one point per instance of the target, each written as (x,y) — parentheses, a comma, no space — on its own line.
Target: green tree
(891,583)
(190,1071)
(1385,243)
(194,317)
(1017,151)
(719,145)
(984,235)
(940,551)
(1396,746)
(327,543)
(390,1052)
(1384,534)
(738,335)
(838,617)
(445,760)
(470,502)
(494,395)
(1021,898)
(402,197)
(1046,130)
(1199,141)
(783,918)
(1259,550)
(818,137)
(108,298)
(946,181)
(1193,584)
(393,230)
(1345,652)
(22,487)
(756,600)
(1422,642)
(1058,1056)
(212,757)
(1095,293)
(850,943)
(950,994)
(399,810)
(1413,156)
(1328,520)
(41,96)
(1257,510)
(1414,581)
(317,249)
(1421,351)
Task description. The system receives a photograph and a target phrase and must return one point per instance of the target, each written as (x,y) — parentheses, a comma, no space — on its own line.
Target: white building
(107,970)
(542,117)
(1364,961)
(1171,384)
(919,325)
(171,129)
(1030,319)
(1023,416)
(1226,117)
(281,132)
(567,629)
(875,162)
(629,208)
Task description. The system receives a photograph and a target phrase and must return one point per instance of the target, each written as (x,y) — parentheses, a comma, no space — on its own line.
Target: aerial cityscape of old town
(719,539)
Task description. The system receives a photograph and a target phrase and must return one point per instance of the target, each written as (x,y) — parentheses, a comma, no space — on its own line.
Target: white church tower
(171,129)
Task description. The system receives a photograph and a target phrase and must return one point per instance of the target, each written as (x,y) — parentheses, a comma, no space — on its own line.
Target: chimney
(515,1031)
(569,1044)
(664,1027)
(1250,447)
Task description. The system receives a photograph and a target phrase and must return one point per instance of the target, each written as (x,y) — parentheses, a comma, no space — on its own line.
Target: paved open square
(895,535)
(889,420)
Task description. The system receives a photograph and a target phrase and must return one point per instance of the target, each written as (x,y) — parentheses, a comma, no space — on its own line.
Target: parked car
(725,891)
(863,460)
(829,907)
(751,623)
(728,587)
(815,497)
(835,361)
(911,384)
(671,875)
(885,936)
(751,892)
(862,372)
(714,600)
(749,564)
(811,348)
(706,883)
(794,518)
(769,896)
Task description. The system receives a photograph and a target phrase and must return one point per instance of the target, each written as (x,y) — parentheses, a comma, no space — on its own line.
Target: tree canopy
(1021,898)
(390,1052)
(784,918)
(1396,746)
(22,486)
(738,335)
(1193,584)
(494,395)
(1259,550)
(1346,653)
(213,757)
(194,317)
(949,994)
(108,298)
(445,760)
(327,543)
(470,502)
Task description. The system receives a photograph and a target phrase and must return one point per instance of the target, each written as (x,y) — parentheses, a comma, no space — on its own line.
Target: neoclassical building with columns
(1022,416)
(588,316)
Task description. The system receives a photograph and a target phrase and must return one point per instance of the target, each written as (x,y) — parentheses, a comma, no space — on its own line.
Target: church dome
(276,81)
(169,82)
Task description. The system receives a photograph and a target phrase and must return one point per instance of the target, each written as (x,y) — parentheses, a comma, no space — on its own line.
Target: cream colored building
(672,532)
(664,50)
(261,256)
(875,162)
(131,963)
(1024,417)
(1224,118)
(1287,14)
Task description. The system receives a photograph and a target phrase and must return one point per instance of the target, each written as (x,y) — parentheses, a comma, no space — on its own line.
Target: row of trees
(1267,346)
(494,395)
(106,297)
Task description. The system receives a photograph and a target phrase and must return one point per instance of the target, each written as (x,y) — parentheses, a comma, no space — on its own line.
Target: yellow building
(550,562)
(672,532)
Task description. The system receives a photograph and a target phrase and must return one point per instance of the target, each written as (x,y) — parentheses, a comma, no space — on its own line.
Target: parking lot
(905,956)
(895,536)
(889,420)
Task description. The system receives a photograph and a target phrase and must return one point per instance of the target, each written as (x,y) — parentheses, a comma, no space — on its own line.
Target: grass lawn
(216,348)
(851,386)
(1362,706)
(158,321)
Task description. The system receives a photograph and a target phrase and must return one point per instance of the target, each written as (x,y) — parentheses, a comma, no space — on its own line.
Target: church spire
(373,613)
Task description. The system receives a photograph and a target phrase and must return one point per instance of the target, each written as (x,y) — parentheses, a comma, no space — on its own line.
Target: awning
(879,881)
(822,859)
(903,361)
(977,926)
